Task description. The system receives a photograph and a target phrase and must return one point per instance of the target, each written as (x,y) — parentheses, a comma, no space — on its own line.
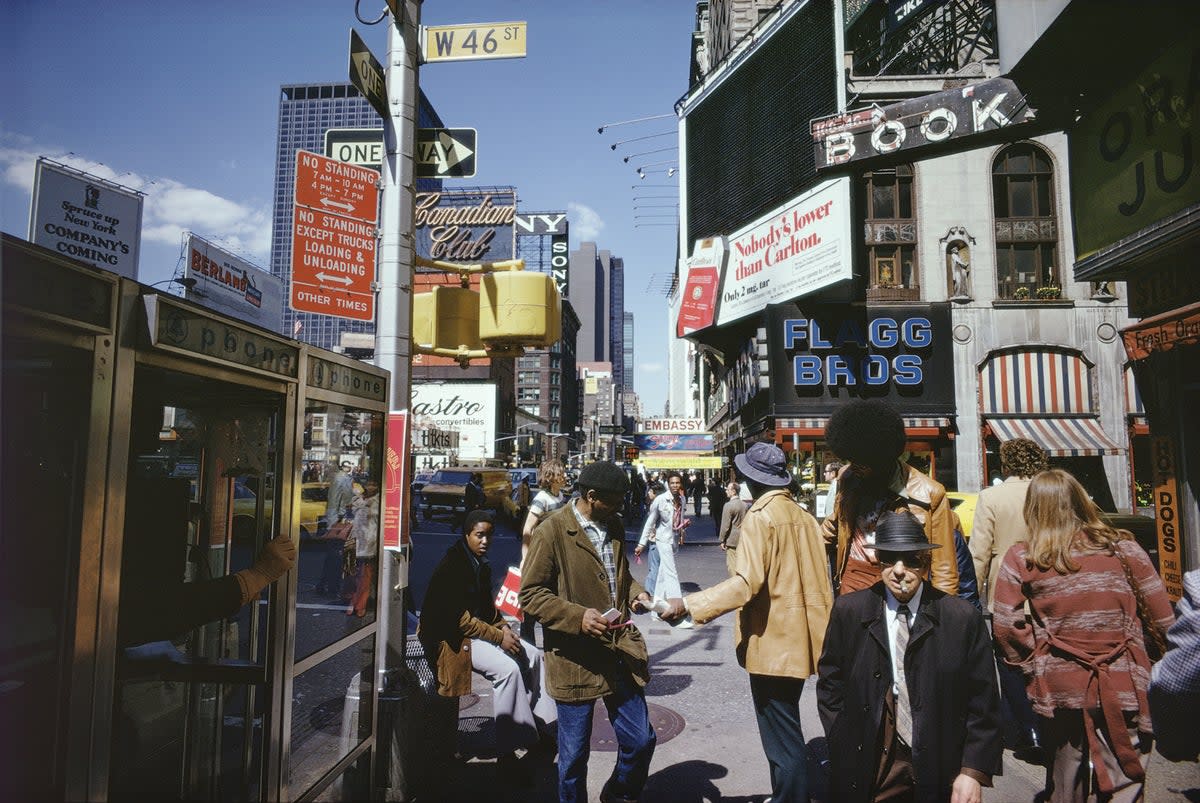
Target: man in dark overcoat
(907,684)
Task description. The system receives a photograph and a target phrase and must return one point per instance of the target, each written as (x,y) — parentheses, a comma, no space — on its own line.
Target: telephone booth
(151,447)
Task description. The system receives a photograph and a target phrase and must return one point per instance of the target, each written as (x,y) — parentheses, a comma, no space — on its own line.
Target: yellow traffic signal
(447,318)
(520,308)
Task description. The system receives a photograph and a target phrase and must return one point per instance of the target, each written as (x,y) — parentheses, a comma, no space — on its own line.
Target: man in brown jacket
(781,591)
(576,582)
(869,434)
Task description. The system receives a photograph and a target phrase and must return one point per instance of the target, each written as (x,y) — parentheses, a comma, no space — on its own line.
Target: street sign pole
(394,308)
(393,324)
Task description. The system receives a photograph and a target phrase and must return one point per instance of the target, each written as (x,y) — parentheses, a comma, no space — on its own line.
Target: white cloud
(585,221)
(171,207)
(651,367)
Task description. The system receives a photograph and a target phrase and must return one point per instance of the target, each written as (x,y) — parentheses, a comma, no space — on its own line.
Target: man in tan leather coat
(781,591)
(869,435)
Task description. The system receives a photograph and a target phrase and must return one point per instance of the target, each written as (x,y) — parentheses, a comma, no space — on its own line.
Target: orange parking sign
(333,265)
(337,187)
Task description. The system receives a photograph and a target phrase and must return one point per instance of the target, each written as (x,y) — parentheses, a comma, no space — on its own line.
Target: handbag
(1152,632)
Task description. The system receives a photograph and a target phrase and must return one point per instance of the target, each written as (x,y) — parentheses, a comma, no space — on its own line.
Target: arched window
(891,234)
(1026,225)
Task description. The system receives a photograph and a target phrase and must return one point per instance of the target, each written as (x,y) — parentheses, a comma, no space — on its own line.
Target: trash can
(418,730)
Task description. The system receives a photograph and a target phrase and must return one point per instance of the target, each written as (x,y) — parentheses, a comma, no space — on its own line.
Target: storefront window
(339,514)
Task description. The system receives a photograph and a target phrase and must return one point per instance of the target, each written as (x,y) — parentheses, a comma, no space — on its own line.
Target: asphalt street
(708,747)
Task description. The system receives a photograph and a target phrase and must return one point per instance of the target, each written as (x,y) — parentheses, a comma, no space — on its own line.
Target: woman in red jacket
(1082,651)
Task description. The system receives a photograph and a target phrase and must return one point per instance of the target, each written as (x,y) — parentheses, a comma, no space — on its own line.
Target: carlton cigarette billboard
(798,249)
(85,217)
(230,284)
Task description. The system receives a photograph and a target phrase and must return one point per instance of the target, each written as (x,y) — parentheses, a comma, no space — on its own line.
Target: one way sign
(446,152)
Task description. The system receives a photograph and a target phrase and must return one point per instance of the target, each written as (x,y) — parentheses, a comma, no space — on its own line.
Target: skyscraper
(306,112)
(597,291)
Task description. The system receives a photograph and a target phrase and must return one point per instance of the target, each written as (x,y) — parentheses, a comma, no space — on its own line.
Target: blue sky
(180,101)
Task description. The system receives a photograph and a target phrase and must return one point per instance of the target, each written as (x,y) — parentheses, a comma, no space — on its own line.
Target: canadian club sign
(465,226)
(913,124)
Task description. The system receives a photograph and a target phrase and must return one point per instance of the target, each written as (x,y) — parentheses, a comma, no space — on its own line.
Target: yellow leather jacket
(927,501)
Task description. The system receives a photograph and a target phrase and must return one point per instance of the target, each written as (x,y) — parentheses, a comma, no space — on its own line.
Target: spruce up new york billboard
(822,355)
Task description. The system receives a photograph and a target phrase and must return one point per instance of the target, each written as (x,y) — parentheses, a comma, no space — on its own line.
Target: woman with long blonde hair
(1082,651)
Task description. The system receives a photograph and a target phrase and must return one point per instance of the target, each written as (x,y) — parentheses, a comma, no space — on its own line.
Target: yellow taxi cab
(313,499)
(964,505)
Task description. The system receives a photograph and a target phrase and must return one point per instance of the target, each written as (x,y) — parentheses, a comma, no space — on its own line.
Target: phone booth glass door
(192,708)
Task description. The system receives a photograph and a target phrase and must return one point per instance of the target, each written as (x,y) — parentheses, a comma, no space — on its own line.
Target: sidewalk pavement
(700,703)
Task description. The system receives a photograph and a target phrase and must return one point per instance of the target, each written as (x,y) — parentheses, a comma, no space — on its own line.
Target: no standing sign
(336,207)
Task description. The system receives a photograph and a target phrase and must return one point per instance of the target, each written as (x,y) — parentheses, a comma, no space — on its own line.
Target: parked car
(444,494)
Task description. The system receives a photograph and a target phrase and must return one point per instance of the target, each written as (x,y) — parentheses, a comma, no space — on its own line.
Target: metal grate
(748,143)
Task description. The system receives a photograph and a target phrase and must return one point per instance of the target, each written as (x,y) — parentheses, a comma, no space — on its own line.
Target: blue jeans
(777,706)
(635,739)
(651,569)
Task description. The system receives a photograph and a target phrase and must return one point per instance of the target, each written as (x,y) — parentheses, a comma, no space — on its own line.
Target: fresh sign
(489,40)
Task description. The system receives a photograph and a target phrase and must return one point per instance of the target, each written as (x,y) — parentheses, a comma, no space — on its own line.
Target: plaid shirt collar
(598,535)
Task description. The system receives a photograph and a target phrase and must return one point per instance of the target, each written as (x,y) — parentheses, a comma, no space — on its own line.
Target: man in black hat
(780,588)
(575,581)
(907,687)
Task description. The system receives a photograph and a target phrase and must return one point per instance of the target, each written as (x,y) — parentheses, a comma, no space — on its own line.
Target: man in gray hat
(907,687)
(576,582)
(780,588)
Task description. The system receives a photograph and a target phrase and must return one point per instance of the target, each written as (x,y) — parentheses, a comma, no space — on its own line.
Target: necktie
(903,711)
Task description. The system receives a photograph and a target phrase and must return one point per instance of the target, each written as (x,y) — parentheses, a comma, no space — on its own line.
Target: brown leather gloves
(277,557)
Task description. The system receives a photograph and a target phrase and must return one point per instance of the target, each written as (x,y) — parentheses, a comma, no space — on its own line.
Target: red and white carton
(506,598)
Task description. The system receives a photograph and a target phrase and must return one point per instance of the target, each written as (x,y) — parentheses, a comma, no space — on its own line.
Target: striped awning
(1035,383)
(935,422)
(1060,437)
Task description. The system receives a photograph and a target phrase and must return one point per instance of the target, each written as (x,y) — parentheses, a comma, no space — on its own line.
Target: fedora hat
(899,531)
(764,463)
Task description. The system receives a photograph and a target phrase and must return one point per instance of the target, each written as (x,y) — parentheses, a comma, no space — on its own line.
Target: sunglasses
(890,558)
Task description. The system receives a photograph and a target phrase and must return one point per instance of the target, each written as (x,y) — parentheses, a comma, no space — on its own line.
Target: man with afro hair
(869,435)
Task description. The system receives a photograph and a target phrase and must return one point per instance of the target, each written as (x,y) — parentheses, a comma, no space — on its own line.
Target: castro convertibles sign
(821,355)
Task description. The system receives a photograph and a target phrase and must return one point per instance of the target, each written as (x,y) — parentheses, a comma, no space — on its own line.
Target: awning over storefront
(1060,437)
(815,427)
(1180,327)
(681,461)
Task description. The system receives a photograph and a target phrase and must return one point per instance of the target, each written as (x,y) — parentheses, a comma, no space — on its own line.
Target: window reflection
(338,507)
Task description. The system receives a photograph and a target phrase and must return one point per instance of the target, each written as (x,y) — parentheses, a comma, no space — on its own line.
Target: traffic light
(447,318)
(521,308)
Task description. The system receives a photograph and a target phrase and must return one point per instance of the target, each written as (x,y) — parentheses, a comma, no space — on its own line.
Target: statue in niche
(958,259)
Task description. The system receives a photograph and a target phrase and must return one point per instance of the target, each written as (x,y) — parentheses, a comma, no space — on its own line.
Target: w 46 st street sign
(473,41)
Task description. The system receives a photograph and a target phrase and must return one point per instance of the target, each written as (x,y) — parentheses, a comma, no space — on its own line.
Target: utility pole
(397,248)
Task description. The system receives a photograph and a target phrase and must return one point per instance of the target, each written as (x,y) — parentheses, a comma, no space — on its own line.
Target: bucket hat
(764,463)
(899,531)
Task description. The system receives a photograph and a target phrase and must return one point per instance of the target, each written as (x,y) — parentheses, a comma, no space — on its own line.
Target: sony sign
(917,123)
(532,223)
